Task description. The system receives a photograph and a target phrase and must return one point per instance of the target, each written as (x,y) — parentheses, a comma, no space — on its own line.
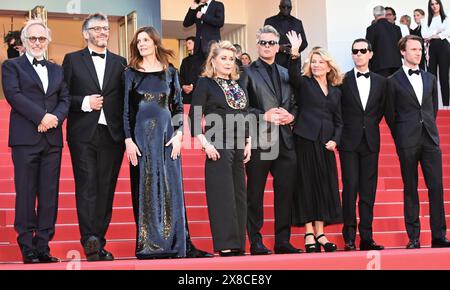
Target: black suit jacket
(208,27)
(82,80)
(261,94)
(404,114)
(384,37)
(29,103)
(319,116)
(358,121)
(283,25)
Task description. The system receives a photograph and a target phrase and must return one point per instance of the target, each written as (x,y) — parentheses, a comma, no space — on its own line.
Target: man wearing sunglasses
(271,100)
(284,22)
(40,101)
(95,132)
(363,103)
(384,37)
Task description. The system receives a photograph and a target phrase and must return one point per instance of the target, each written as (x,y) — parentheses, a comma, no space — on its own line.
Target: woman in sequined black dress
(218,96)
(152,98)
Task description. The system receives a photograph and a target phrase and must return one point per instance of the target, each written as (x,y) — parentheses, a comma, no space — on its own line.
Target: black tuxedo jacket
(384,37)
(358,121)
(261,94)
(29,103)
(82,80)
(404,114)
(208,27)
(319,116)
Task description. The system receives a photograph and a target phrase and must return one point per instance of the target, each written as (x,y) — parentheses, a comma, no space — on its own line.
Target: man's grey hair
(379,11)
(267,29)
(97,16)
(33,22)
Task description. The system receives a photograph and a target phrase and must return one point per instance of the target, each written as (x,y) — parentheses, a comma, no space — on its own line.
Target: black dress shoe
(231,253)
(30,258)
(440,243)
(350,246)
(328,247)
(92,246)
(286,248)
(413,244)
(104,255)
(196,253)
(46,258)
(370,246)
(258,248)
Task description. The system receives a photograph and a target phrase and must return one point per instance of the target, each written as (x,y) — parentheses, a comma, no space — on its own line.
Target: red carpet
(389,228)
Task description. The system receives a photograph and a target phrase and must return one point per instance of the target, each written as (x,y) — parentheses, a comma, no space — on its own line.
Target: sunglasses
(363,51)
(33,39)
(265,43)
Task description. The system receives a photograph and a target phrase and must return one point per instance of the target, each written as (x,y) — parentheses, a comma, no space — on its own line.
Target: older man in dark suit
(40,101)
(384,37)
(271,100)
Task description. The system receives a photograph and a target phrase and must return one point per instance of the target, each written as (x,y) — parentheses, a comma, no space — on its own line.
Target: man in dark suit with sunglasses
(271,100)
(363,103)
(411,111)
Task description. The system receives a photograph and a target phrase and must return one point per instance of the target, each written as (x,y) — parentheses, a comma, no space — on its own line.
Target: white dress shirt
(441,28)
(41,71)
(205,8)
(99,64)
(416,82)
(363,84)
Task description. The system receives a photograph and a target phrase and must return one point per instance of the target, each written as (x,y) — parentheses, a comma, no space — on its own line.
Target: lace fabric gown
(151,100)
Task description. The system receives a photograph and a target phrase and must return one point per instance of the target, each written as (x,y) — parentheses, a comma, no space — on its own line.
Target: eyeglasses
(99,29)
(363,51)
(33,39)
(265,43)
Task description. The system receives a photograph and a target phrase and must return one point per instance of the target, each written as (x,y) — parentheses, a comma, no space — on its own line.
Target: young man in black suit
(39,100)
(384,37)
(95,132)
(363,104)
(271,100)
(412,106)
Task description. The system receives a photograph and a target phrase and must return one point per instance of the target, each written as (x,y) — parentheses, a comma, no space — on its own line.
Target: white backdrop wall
(347,20)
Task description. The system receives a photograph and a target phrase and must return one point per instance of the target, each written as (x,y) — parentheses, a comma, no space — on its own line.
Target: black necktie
(366,75)
(102,55)
(36,62)
(411,72)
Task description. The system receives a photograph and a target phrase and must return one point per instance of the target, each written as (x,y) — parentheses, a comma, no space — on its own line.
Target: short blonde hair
(334,77)
(214,51)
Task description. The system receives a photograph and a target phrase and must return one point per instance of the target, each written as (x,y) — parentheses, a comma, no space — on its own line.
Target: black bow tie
(203,5)
(102,55)
(411,72)
(366,75)
(36,62)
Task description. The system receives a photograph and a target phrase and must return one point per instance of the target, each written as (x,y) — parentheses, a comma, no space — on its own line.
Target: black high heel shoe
(311,248)
(328,247)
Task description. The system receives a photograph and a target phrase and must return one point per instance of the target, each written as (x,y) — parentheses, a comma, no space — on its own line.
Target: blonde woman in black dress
(219,96)
(318,130)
